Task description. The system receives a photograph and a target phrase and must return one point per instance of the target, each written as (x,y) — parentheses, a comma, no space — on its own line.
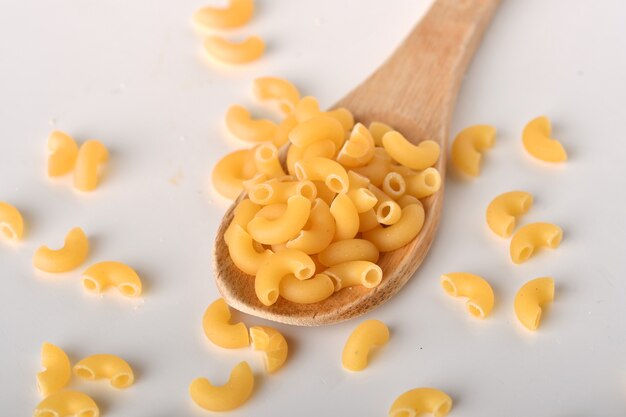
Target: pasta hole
(272,296)
(85,373)
(262,193)
(8,231)
(304,273)
(266,153)
(300,172)
(525,253)
(121,381)
(307,190)
(335,184)
(128,290)
(385,211)
(555,240)
(372,278)
(442,409)
(475,310)
(430,180)
(448,287)
(91,284)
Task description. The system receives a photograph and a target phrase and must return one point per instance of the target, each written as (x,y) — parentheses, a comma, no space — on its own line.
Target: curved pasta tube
(377,168)
(11,222)
(476,289)
(238,13)
(279,265)
(362,198)
(231,171)
(257,179)
(284,128)
(218,329)
(106,366)
(274,88)
(240,123)
(91,155)
(388,213)
(358,150)
(225,397)
(273,231)
(394,185)
(243,213)
(63,153)
(57,370)
(531,298)
(418,157)
(306,108)
(378,130)
(399,234)
(532,236)
(349,250)
(469,145)
(324,148)
(537,141)
(243,252)
(308,291)
(272,343)
(272,211)
(319,232)
(503,210)
(367,335)
(323,169)
(343,116)
(348,274)
(109,273)
(324,192)
(417,401)
(279,192)
(221,49)
(346,217)
(424,183)
(368,221)
(317,128)
(67,403)
(70,256)
(266,160)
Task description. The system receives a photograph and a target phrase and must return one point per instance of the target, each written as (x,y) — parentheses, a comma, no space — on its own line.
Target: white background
(132,74)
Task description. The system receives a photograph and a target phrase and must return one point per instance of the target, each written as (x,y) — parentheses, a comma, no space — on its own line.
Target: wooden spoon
(414,91)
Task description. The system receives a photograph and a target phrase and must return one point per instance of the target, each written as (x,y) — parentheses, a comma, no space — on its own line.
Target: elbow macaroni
(469,145)
(228,396)
(272,344)
(318,234)
(63,153)
(399,234)
(323,169)
(531,298)
(238,13)
(221,49)
(274,231)
(243,252)
(277,266)
(358,150)
(367,335)
(241,125)
(70,256)
(346,217)
(91,155)
(423,184)
(378,130)
(394,185)
(231,171)
(476,289)
(105,366)
(421,400)
(109,273)
(505,208)
(537,141)
(67,403)
(11,222)
(348,250)
(57,370)
(267,162)
(315,129)
(351,273)
(307,291)
(273,88)
(532,236)
(218,329)
(418,157)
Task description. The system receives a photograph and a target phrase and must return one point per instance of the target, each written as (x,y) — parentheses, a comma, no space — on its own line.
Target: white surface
(132,74)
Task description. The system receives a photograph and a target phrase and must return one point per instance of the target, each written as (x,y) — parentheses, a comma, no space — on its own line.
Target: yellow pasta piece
(505,208)
(307,291)
(57,370)
(386,212)
(274,88)
(368,220)
(324,192)
(106,366)
(357,181)
(394,185)
(91,155)
(243,213)
(343,116)
(243,252)
(318,233)
(272,212)
(469,145)
(240,124)
(369,334)
(377,168)
(221,49)
(348,274)
(417,401)
(315,129)
(11,222)
(284,129)
(306,108)
(424,183)
(532,236)
(279,265)
(267,162)
(236,14)
(63,153)
(324,149)
(346,217)
(279,192)
(225,397)
(231,171)
(418,157)
(531,298)
(252,182)
(109,273)
(378,130)
(362,198)
(70,256)
(407,200)
(399,234)
(272,343)
(537,141)
(218,329)
(476,289)
(323,169)
(67,403)
(272,231)
(349,250)
(358,150)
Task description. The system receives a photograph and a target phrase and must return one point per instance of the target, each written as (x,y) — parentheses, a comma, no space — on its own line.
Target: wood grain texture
(414,91)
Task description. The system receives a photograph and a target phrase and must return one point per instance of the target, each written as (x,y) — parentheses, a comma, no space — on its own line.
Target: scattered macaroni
(348,250)
(532,236)
(399,234)
(237,14)
(91,155)
(243,252)
(503,210)
(279,265)
(70,256)
(273,231)
(231,171)
(367,335)
(221,49)
(67,403)
(418,157)
(240,124)
(105,366)
(307,291)
(318,233)
(63,153)
(475,288)
(348,274)
(421,400)
(469,145)
(11,222)
(228,396)
(346,217)
(537,141)
(219,330)
(273,88)
(272,343)
(323,169)
(57,370)
(109,273)
(531,298)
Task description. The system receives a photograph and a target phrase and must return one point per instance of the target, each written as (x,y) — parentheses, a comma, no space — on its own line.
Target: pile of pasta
(346,193)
